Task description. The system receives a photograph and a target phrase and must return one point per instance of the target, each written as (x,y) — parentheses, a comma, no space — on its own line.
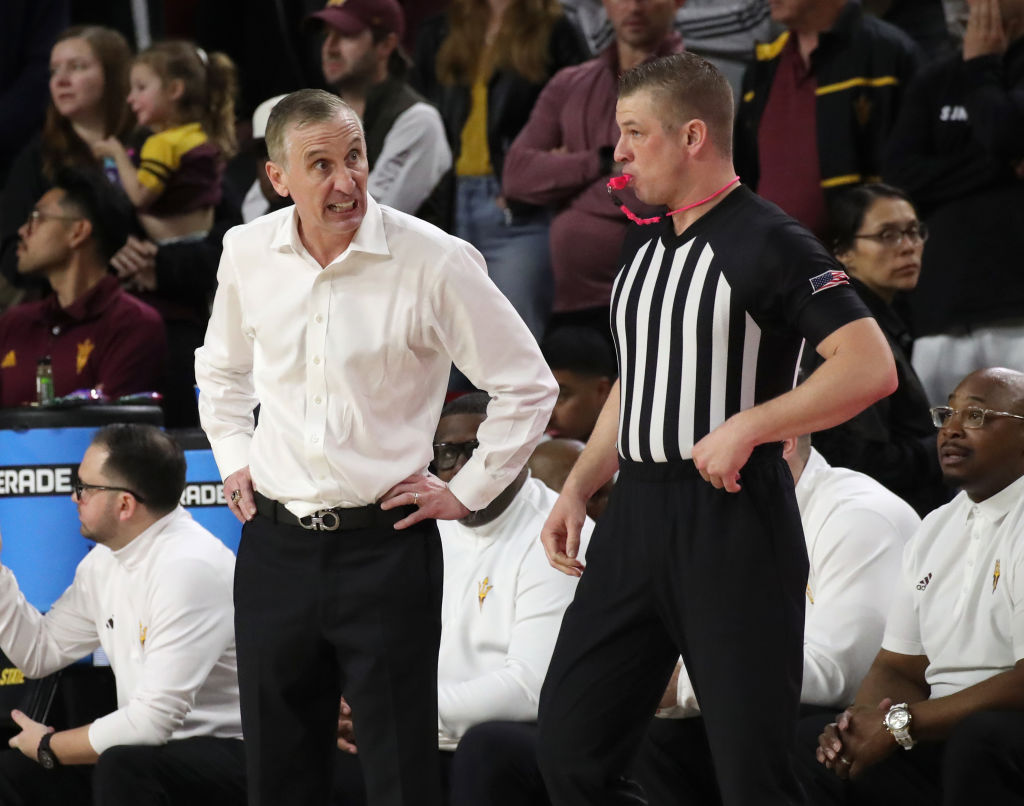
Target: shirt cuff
(231,453)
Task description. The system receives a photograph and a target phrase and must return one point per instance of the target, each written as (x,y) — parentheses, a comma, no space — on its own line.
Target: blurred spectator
(268,42)
(88,88)
(186,98)
(501,608)
(261,197)
(416,11)
(722,31)
(923,20)
(878,238)
(957,150)
(563,158)
(406,146)
(551,462)
(141,22)
(29,30)
(484,67)
(855,531)
(584,365)
(818,104)
(97,335)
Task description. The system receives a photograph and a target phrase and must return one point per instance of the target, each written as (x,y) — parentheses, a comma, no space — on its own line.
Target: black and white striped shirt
(711,322)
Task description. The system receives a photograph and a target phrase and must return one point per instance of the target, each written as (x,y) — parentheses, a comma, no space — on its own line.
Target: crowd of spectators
(892,129)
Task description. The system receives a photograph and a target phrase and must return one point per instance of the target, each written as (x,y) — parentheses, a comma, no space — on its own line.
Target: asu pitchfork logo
(482,589)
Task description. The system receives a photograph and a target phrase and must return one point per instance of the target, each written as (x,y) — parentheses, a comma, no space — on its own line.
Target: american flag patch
(828,279)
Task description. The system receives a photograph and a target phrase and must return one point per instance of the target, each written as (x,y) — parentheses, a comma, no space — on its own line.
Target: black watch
(47,758)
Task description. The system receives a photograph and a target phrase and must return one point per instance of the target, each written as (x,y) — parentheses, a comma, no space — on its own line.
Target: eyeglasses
(446,454)
(892,237)
(970,417)
(41,215)
(78,487)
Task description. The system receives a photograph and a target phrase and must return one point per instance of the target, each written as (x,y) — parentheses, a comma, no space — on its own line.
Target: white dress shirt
(350,362)
(161,609)
(501,610)
(960,599)
(855,530)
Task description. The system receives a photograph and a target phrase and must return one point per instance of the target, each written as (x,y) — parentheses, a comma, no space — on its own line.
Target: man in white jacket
(855,530)
(155,594)
(501,609)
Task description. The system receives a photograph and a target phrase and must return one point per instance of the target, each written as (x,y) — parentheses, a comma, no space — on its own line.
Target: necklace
(620,182)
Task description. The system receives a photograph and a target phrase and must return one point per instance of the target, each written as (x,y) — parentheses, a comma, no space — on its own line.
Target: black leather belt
(336,519)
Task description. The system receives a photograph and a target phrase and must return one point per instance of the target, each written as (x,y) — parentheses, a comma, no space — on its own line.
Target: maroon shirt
(576,110)
(787,140)
(104,338)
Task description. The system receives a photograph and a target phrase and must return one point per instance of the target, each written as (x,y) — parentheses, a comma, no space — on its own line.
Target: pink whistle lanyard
(620,182)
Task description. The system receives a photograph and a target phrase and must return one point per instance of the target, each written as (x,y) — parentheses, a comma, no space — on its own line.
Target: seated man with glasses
(96,335)
(501,609)
(950,674)
(155,593)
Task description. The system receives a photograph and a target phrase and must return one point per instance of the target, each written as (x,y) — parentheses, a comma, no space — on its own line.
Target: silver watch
(897,721)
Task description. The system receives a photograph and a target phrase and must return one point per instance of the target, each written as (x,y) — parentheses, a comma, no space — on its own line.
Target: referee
(700,552)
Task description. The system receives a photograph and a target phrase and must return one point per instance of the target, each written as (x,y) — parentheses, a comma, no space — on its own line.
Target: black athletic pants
(674,764)
(202,771)
(495,764)
(982,762)
(320,613)
(678,567)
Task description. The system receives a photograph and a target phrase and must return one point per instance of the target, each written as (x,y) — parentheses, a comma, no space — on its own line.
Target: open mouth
(953,454)
(342,207)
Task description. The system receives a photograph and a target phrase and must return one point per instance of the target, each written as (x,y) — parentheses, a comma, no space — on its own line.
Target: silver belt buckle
(323,520)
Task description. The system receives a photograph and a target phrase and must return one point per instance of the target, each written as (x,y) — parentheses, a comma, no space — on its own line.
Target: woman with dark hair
(483,63)
(877,236)
(88,88)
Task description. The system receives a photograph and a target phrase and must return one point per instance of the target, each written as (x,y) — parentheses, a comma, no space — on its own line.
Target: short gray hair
(299,109)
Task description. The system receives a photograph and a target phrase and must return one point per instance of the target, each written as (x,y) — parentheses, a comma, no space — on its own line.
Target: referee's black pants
(678,567)
(318,614)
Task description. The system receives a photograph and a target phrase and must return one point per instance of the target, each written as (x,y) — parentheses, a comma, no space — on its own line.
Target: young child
(186,98)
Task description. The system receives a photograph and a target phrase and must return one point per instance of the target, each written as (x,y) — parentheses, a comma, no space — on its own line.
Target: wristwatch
(897,722)
(47,758)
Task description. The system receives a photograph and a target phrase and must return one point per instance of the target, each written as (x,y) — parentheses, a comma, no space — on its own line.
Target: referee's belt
(336,519)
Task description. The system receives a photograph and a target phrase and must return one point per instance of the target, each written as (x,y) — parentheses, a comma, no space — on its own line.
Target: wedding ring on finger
(236,496)
(415,499)
(846,761)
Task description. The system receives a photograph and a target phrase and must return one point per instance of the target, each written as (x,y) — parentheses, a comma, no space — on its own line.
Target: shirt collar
(88,306)
(132,555)
(370,238)
(995,507)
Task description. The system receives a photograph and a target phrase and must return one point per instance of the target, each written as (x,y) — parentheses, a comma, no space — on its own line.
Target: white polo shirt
(961,597)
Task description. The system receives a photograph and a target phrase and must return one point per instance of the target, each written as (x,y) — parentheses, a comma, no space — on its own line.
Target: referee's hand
(561,534)
(719,456)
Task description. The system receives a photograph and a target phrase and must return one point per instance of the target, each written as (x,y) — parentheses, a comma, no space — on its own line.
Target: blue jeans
(516,249)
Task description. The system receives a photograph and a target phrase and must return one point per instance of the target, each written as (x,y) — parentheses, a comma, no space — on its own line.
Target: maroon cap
(352,17)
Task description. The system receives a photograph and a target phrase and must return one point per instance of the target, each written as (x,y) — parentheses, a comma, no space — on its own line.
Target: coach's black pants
(982,762)
(321,613)
(202,771)
(678,567)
